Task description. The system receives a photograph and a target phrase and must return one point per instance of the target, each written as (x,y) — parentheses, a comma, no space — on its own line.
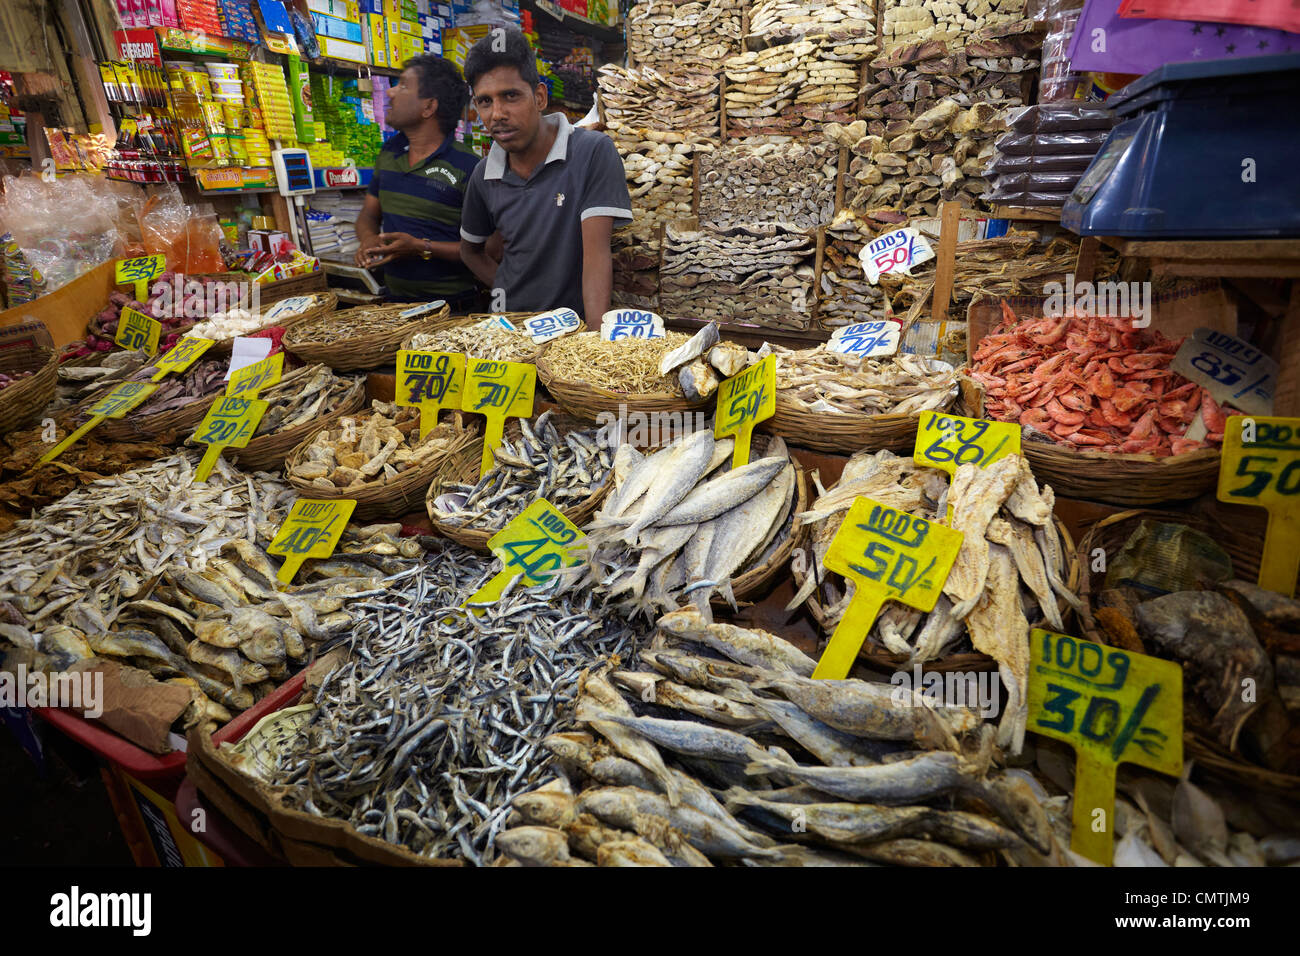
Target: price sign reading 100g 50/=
(1260,466)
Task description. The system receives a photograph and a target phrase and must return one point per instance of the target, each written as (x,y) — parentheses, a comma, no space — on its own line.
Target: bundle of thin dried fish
(810,773)
(784,19)
(789,90)
(1011,569)
(628,365)
(660,171)
(681,524)
(759,275)
(944,19)
(680,102)
(791,183)
(820,380)
(485,340)
(565,469)
(845,296)
(434,724)
(665,34)
(203,379)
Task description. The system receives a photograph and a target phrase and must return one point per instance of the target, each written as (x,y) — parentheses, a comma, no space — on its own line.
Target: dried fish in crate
(659,167)
(944,19)
(677,101)
(788,90)
(745,182)
(636,266)
(663,34)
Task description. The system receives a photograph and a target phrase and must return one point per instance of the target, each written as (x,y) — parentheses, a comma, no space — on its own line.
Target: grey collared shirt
(541,218)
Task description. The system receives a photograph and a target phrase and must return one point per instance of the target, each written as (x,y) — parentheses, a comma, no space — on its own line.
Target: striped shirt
(426,203)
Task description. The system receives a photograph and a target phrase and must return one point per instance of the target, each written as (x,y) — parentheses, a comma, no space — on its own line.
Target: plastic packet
(1037,182)
(1163,558)
(1045,164)
(1051,144)
(1061,118)
(61,229)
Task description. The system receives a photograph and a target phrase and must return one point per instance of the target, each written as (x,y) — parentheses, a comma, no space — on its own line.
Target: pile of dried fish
(373,447)
(650,100)
(789,90)
(682,524)
(810,773)
(1008,573)
(79,382)
(665,34)
(761,275)
(786,19)
(347,324)
(636,266)
(660,172)
(435,722)
(564,469)
(485,340)
(944,19)
(845,296)
(629,365)
(791,183)
(820,380)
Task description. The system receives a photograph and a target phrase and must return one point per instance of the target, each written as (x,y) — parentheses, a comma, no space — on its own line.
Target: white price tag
(630,324)
(866,339)
(896,251)
(290,306)
(551,325)
(246,352)
(1235,373)
(500,320)
(416,311)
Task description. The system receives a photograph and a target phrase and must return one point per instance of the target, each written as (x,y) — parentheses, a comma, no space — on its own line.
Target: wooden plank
(950,220)
(1085,265)
(695,183)
(67,309)
(1257,269)
(1225,249)
(753,336)
(814,307)
(722,108)
(1286,395)
(1024,213)
(841,170)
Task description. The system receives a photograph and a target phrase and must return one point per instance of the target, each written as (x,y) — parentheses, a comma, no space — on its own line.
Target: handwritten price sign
(551,325)
(866,339)
(537,543)
(182,355)
(744,400)
(135,330)
(889,555)
(1235,373)
(896,251)
(1261,466)
(498,390)
(115,404)
(949,441)
(311,530)
(429,381)
(1112,707)
(630,324)
(229,423)
(251,379)
(139,271)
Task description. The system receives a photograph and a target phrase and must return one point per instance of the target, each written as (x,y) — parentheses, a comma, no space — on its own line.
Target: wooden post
(1085,266)
(949,222)
(819,263)
(1286,394)
(842,170)
(722,108)
(695,184)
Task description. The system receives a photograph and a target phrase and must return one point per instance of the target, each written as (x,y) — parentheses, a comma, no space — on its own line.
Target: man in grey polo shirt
(555,192)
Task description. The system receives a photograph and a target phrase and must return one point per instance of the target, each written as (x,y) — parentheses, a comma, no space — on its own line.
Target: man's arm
(367,227)
(476,231)
(484,267)
(397,245)
(597,268)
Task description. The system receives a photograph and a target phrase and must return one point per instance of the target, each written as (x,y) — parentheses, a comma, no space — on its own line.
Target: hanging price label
(139,271)
(251,379)
(866,339)
(896,251)
(537,544)
(889,555)
(630,324)
(744,400)
(181,356)
(229,423)
(501,321)
(551,325)
(1235,373)
(415,311)
(135,330)
(498,390)
(311,530)
(429,381)
(115,404)
(1112,707)
(1261,466)
(948,441)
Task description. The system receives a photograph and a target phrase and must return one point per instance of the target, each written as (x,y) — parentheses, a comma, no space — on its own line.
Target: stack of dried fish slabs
(776,20)
(645,98)
(761,275)
(756,182)
(636,266)
(663,34)
(659,167)
(911,20)
(789,90)
(721,750)
(845,296)
(1011,572)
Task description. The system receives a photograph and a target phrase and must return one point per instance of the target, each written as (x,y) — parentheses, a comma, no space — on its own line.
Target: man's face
(405,107)
(510,109)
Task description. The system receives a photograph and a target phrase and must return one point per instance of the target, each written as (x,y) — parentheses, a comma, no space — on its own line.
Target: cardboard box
(342,9)
(342,49)
(377,40)
(337,29)
(411,47)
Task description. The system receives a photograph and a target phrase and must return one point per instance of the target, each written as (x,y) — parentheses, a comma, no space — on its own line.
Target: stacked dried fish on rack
(789,90)
(791,183)
(636,266)
(486,340)
(845,296)
(664,34)
(824,381)
(659,168)
(761,275)
(1010,570)
(777,20)
(672,101)
(810,773)
(911,20)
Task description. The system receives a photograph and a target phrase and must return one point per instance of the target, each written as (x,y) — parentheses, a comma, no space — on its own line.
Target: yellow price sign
(231,422)
(498,390)
(429,381)
(949,441)
(115,404)
(139,271)
(1261,466)
(181,356)
(744,400)
(311,530)
(1112,707)
(537,543)
(135,330)
(889,555)
(251,379)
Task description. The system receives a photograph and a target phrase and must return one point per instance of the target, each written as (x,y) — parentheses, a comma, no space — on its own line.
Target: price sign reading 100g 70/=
(429,381)
(497,390)
(115,404)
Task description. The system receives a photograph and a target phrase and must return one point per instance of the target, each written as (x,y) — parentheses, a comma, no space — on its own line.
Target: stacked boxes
(267,80)
(237,20)
(199,15)
(345,126)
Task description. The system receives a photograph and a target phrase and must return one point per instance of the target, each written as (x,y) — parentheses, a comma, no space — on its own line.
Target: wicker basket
(25,399)
(755,581)
(268,452)
(268,292)
(163,427)
(467,471)
(326,303)
(362,351)
(586,401)
(398,496)
(456,321)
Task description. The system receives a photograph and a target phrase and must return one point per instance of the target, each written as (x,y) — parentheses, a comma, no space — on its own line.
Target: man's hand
(365,254)
(395,245)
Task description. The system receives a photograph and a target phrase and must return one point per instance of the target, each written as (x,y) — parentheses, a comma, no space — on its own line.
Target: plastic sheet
(60,230)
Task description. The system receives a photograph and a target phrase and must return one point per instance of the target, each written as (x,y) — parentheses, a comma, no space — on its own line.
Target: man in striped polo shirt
(418,188)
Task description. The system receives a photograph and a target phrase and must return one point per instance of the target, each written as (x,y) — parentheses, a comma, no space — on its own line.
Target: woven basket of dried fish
(378,459)
(172,411)
(302,403)
(548,458)
(285,314)
(360,338)
(27,381)
(477,337)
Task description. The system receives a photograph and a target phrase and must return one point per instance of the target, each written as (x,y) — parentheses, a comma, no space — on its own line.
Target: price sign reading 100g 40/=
(537,544)
(311,530)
